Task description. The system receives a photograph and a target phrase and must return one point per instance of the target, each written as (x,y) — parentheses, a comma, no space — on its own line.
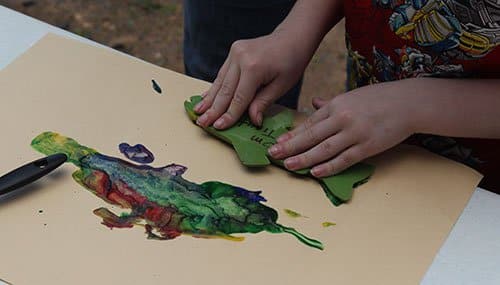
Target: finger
(323,151)
(243,95)
(209,95)
(310,137)
(318,103)
(316,117)
(263,99)
(222,98)
(344,160)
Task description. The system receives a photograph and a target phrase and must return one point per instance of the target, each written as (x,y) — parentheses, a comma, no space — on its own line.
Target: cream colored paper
(388,234)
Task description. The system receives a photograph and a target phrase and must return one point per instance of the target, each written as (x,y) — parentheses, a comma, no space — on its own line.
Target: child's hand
(348,129)
(255,74)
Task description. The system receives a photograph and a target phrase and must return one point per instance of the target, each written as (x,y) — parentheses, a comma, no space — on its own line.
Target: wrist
(309,21)
(430,104)
(291,42)
(410,103)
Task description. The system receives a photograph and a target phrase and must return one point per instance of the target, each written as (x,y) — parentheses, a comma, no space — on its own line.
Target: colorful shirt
(389,40)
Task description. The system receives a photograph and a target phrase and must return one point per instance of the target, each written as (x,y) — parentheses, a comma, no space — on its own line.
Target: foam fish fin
(339,188)
(249,154)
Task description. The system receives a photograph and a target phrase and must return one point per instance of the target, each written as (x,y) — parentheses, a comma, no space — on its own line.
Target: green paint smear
(328,224)
(162,201)
(293,214)
(251,144)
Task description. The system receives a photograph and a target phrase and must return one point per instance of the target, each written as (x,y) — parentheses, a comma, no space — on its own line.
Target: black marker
(30,172)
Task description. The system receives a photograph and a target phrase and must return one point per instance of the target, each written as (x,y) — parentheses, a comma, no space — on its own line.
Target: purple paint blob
(137,153)
(253,196)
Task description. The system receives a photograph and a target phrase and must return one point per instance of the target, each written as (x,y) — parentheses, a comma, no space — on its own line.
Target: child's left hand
(350,128)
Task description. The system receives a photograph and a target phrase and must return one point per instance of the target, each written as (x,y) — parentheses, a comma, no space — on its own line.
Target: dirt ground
(152,30)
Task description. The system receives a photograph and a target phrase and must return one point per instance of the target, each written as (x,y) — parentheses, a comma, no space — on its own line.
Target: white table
(470,255)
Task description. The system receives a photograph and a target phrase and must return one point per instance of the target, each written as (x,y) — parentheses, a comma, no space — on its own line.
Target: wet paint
(156,87)
(137,153)
(162,201)
(293,214)
(328,224)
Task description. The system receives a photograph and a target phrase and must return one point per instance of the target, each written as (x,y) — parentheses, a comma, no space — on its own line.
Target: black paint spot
(40,211)
(45,224)
(156,86)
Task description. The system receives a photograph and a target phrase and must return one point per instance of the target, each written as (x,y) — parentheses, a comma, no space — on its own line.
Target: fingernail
(274,150)
(291,163)
(204,94)
(319,171)
(219,123)
(198,106)
(202,120)
(283,138)
(259,119)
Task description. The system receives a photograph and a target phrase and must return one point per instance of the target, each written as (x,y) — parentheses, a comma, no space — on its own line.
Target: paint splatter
(293,214)
(162,201)
(137,153)
(156,87)
(328,224)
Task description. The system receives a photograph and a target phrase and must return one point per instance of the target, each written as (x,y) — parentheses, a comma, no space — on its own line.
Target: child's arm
(259,71)
(372,119)
(459,108)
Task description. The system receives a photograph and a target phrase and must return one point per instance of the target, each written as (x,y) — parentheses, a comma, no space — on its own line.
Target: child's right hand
(256,73)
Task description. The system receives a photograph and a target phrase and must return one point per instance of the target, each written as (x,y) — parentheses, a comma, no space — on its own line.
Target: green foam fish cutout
(251,144)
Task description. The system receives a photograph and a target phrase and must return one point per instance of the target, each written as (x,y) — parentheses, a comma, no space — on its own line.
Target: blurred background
(153,29)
